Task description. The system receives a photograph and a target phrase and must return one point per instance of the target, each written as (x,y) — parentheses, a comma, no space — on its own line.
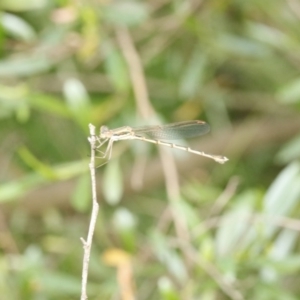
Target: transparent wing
(173,131)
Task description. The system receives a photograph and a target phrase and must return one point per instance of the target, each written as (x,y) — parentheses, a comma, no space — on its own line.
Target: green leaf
(82,195)
(289,151)
(25,65)
(284,192)
(49,104)
(168,256)
(22,5)
(16,188)
(126,224)
(242,46)
(116,68)
(283,245)
(167,289)
(283,195)
(193,75)
(234,234)
(17,27)
(268,34)
(290,92)
(112,185)
(77,101)
(126,13)
(36,164)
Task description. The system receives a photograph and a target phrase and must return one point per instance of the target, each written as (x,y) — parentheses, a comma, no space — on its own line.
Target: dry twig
(87,244)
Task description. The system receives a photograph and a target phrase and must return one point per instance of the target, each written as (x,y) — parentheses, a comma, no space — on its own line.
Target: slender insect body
(169,131)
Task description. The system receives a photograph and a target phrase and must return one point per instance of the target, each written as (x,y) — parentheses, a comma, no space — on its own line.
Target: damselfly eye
(103,130)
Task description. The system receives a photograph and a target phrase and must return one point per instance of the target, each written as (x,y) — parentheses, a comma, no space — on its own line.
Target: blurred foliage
(233,232)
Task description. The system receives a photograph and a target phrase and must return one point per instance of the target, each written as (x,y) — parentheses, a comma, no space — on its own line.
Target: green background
(185,226)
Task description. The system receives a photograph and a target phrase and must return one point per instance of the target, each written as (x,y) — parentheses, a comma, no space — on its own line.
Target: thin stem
(88,243)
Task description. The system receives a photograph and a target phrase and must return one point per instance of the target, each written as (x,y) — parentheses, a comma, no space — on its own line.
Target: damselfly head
(104,132)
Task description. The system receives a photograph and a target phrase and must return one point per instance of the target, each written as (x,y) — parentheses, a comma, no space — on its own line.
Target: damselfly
(156,135)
